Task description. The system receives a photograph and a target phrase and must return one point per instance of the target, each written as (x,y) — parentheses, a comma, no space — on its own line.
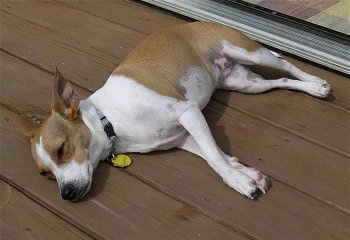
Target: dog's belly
(143,140)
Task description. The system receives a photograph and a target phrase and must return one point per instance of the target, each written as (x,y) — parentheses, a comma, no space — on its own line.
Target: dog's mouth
(84,191)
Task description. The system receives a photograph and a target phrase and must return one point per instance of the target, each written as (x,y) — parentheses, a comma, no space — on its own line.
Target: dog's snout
(68,192)
(73,191)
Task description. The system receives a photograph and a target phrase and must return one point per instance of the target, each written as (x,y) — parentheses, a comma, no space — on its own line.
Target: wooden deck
(300,142)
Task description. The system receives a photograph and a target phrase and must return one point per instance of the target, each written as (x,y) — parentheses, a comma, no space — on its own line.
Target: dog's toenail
(255,194)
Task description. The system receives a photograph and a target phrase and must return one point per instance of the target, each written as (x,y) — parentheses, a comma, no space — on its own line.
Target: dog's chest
(142,119)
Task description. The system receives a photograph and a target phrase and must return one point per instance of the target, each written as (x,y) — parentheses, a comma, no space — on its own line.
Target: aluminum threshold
(266,30)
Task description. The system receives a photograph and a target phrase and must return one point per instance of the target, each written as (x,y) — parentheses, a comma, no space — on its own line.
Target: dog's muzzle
(71,193)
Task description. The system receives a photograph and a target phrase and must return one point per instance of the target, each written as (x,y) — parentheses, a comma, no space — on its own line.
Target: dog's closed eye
(60,151)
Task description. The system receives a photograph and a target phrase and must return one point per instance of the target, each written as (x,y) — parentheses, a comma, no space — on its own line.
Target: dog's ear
(24,125)
(65,101)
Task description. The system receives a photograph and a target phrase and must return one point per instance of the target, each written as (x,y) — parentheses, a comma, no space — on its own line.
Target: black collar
(107,126)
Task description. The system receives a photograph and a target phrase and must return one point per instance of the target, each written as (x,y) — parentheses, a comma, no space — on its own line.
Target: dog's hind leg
(247,181)
(240,78)
(266,58)
(232,63)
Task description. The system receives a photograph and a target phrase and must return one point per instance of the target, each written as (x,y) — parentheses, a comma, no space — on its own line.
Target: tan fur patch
(64,140)
(161,59)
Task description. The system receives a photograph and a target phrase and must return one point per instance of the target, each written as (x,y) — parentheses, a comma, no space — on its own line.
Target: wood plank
(22,218)
(327,192)
(43,48)
(284,156)
(283,213)
(296,113)
(21,80)
(140,18)
(113,40)
(116,200)
(196,185)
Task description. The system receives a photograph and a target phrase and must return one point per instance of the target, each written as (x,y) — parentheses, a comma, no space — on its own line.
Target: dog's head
(60,146)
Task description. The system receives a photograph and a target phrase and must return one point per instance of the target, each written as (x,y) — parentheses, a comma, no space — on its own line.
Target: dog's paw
(247,181)
(321,90)
(260,180)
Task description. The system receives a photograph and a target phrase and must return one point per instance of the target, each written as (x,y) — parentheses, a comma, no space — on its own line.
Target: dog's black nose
(68,192)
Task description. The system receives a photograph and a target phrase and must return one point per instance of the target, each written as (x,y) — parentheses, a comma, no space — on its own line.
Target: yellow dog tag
(121,161)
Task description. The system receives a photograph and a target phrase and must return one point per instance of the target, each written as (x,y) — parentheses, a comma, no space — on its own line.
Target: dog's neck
(100,145)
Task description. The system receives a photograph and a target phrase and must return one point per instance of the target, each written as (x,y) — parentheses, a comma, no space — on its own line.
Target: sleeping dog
(162,87)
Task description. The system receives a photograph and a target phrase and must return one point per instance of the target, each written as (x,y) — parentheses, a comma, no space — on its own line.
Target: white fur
(100,146)
(267,58)
(77,174)
(143,120)
(44,156)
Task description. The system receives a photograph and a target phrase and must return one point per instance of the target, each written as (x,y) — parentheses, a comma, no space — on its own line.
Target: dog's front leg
(247,181)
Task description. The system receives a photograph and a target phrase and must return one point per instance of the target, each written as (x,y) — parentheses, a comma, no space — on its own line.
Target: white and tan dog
(153,101)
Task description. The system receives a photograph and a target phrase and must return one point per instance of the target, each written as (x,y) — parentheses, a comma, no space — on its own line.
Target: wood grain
(22,218)
(301,142)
